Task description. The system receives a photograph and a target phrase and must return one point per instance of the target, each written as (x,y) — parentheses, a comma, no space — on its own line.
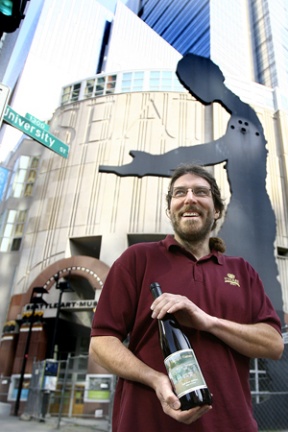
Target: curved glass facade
(121,82)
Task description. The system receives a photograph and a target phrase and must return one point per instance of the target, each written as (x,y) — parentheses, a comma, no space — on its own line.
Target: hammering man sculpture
(249,229)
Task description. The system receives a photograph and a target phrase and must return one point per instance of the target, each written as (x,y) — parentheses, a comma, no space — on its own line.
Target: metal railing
(78,398)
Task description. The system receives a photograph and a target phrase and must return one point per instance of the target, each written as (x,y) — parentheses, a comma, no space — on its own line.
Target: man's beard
(191,232)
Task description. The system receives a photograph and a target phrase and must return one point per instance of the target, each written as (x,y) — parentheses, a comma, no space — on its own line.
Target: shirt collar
(172,245)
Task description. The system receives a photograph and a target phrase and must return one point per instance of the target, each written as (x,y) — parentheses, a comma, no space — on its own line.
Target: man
(219,301)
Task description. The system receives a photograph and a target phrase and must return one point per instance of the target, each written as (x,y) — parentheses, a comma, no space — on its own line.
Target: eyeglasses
(198,191)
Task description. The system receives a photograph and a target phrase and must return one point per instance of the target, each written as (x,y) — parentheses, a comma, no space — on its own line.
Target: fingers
(185,311)
(171,404)
(189,416)
(168,303)
(195,413)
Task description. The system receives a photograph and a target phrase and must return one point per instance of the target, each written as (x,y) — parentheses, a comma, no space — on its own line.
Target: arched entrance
(86,276)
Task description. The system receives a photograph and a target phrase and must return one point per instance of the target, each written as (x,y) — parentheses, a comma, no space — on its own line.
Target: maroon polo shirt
(223,286)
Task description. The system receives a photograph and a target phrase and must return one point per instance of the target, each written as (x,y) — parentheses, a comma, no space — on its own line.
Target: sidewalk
(16,424)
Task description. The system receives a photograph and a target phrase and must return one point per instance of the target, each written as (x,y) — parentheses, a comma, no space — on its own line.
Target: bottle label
(184,372)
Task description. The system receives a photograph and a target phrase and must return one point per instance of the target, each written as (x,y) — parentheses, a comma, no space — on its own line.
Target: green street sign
(35,132)
(37,122)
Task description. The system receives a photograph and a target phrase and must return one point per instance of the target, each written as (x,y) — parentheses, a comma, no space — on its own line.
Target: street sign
(4,97)
(35,132)
(37,122)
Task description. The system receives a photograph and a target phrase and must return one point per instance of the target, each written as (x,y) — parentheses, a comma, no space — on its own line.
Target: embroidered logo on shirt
(230,278)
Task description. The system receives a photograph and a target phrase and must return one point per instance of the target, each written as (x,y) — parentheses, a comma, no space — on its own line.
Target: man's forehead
(190,179)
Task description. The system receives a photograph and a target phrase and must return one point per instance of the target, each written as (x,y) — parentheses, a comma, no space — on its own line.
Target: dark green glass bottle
(181,363)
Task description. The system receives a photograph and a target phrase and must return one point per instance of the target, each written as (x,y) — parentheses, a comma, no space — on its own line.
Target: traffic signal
(11,14)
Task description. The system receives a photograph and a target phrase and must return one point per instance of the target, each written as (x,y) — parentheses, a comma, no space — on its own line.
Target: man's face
(192,214)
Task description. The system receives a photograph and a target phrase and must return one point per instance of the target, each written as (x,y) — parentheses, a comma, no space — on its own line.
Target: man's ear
(168,213)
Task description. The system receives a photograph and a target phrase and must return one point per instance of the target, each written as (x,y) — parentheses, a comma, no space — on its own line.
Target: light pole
(63,287)
(35,300)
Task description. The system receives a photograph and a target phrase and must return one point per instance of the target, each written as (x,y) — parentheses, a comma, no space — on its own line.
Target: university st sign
(37,130)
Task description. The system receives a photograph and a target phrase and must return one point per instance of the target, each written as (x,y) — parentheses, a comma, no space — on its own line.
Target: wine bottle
(180,361)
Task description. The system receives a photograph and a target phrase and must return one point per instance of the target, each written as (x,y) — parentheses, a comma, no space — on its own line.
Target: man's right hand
(171,404)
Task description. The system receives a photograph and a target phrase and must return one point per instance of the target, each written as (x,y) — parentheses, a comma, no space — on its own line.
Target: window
(132,81)
(164,81)
(138,81)
(105,85)
(154,80)
(25,171)
(126,81)
(66,94)
(12,229)
(283,252)
(111,83)
(75,92)
(89,89)
(16,243)
(100,86)
(71,93)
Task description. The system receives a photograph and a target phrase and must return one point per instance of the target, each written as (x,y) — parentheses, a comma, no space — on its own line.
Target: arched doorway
(86,276)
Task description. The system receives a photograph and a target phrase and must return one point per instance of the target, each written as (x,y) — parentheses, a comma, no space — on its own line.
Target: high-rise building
(246,39)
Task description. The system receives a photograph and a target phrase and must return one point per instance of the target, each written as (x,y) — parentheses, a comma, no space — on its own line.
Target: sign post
(4,97)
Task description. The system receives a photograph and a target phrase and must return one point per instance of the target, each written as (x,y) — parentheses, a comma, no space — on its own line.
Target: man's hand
(171,404)
(185,311)
(260,340)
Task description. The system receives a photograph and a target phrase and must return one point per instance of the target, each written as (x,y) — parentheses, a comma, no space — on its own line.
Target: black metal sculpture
(249,229)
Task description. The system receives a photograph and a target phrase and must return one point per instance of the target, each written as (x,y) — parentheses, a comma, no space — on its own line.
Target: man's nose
(190,196)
